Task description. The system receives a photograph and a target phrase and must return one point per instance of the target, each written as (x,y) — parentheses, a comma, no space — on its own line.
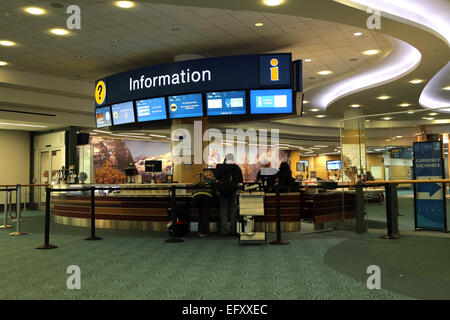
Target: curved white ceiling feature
(403,59)
(433,96)
(432,14)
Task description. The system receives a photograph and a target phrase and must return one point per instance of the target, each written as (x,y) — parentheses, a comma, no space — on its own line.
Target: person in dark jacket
(266,175)
(202,195)
(284,177)
(228,176)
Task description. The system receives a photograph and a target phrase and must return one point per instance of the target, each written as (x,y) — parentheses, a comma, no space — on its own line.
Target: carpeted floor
(140,265)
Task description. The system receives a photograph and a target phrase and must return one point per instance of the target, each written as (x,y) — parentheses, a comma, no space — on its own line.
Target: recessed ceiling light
(399,137)
(427,118)
(324,72)
(34,10)
(388,140)
(273,3)
(367,120)
(410,112)
(404,105)
(7,43)
(305,101)
(314,110)
(3,63)
(383,97)
(371,52)
(387,118)
(320,146)
(59,31)
(125,4)
(357,34)
(416,81)
(432,114)
(446,88)
(355,105)
(320,116)
(308,60)
(259,24)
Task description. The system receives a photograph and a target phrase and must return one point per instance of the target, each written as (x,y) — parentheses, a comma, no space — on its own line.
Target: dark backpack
(227,184)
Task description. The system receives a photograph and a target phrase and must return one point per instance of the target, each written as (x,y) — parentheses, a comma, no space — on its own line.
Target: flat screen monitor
(225,103)
(185,106)
(333,165)
(103,117)
(122,113)
(151,109)
(271,101)
(153,166)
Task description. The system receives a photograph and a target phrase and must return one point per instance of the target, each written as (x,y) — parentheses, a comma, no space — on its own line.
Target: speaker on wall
(82,138)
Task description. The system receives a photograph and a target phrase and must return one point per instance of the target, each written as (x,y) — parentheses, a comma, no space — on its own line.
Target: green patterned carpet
(140,265)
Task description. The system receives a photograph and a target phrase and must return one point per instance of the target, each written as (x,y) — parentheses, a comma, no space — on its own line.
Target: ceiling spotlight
(367,120)
(410,112)
(324,72)
(446,88)
(404,105)
(416,81)
(427,118)
(371,52)
(307,60)
(399,137)
(3,63)
(34,10)
(7,43)
(314,110)
(383,97)
(273,3)
(320,116)
(387,118)
(125,4)
(259,24)
(355,105)
(357,34)
(305,101)
(59,31)
(432,114)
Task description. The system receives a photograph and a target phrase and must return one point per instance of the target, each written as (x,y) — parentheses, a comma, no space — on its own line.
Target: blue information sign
(430,208)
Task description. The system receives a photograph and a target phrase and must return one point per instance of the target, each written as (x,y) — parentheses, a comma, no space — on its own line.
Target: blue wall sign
(429,198)
(201,75)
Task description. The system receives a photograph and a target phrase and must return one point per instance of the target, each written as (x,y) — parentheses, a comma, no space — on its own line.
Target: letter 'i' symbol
(274,70)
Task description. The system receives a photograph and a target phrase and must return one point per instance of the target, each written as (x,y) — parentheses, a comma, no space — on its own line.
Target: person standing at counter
(284,177)
(266,175)
(228,176)
(202,196)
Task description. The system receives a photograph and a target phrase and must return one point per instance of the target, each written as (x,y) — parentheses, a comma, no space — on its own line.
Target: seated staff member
(202,195)
(284,177)
(266,175)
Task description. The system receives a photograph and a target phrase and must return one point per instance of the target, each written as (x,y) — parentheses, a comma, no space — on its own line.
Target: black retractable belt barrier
(277,199)
(173,210)
(93,236)
(47,244)
(391,212)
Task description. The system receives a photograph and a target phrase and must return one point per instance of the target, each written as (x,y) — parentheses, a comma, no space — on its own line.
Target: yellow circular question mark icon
(100,92)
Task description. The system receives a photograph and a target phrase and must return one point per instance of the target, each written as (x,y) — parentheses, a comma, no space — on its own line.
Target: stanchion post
(5,224)
(391,212)
(360,225)
(18,231)
(47,244)
(277,200)
(93,236)
(173,210)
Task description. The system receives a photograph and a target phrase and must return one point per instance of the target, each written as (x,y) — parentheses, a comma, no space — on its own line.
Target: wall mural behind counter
(112,156)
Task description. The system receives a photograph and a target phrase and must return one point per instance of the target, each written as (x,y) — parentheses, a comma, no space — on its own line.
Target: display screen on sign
(333,165)
(122,113)
(185,106)
(271,101)
(226,103)
(151,109)
(103,117)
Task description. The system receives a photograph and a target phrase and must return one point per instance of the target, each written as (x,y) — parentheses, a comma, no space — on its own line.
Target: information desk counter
(149,209)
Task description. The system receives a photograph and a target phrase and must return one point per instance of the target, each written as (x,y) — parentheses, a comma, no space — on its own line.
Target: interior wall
(15,158)
(375,159)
